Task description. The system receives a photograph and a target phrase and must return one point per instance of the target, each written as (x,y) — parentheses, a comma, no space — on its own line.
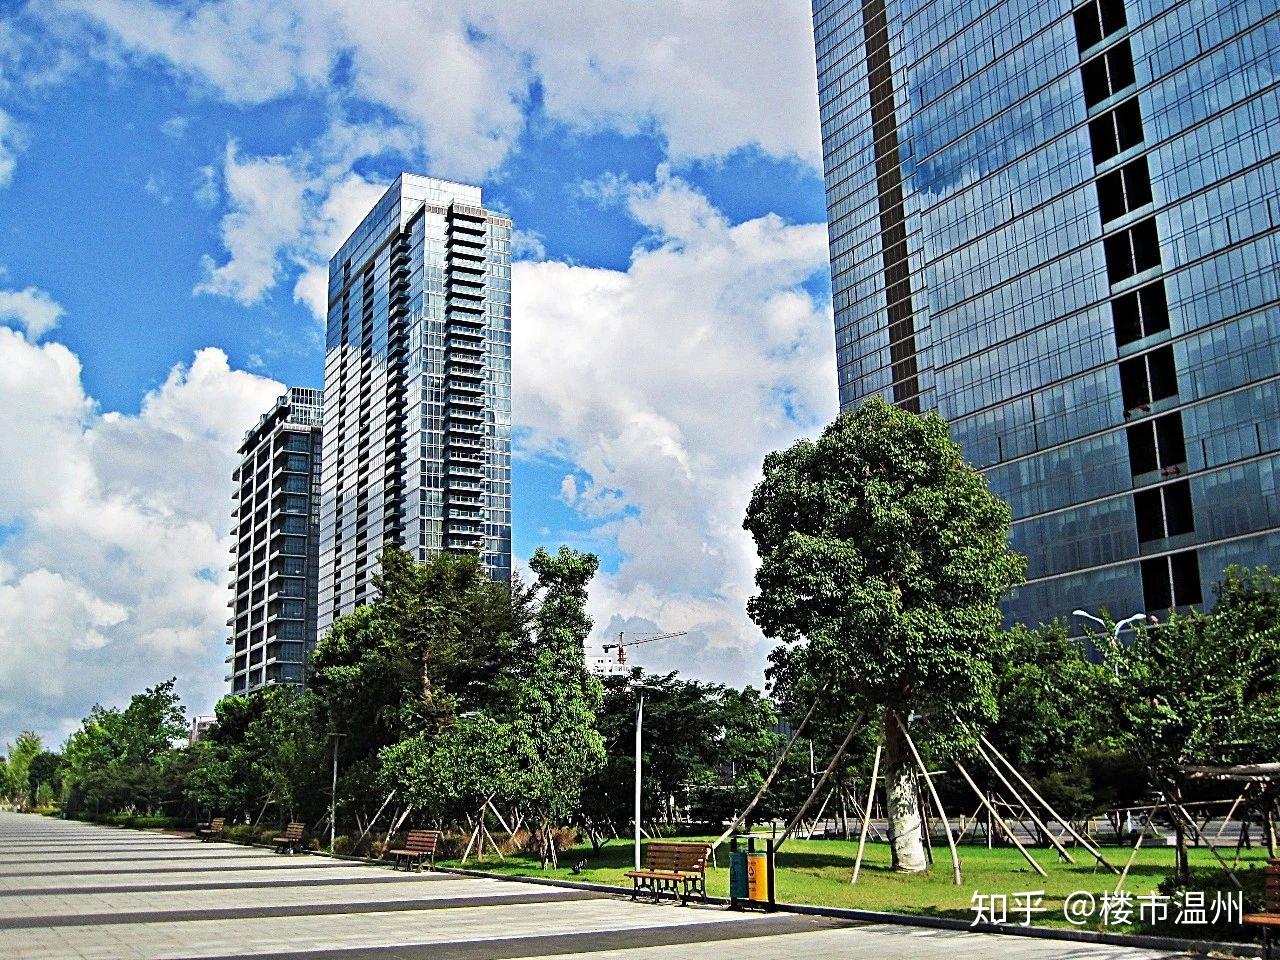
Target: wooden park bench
(292,839)
(212,830)
(1270,918)
(419,845)
(676,868)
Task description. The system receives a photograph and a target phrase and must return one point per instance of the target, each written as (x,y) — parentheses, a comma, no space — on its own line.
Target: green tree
(289,742)
(1046,691)
(45,768)
(555,701)
(225,779)
(22,752)
(437,640)
(706,749)
(270,747)
(1202,689)
(124,759)
(451,773)
(883,560)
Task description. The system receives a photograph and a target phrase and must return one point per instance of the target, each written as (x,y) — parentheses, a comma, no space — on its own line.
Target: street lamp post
(333,795)
(1115,643)
(621,646)
(639,727)
(1115,634)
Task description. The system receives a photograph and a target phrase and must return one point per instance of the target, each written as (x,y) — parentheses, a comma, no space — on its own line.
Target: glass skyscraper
(277,535)
(417,416)
(1058,224)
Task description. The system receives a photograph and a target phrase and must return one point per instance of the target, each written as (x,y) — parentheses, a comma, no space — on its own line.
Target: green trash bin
(738,889)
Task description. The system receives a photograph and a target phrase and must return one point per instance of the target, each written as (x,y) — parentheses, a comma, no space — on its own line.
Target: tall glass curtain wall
(1057,224)
(418,389)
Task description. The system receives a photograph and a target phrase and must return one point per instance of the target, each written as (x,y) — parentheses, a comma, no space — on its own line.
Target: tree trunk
(1181,860)
(901,804)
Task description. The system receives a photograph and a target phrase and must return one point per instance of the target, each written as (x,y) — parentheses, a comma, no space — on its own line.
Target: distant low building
(201,724)
(604,665)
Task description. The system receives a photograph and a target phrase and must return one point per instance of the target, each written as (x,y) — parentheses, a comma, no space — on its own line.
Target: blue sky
(172,178)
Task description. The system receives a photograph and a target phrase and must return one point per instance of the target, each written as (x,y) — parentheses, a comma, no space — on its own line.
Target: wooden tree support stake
(866,818)
(822,782)
(1079,838)
(740,818)
(365,833)
(991,810)
(937,801)
(813,827)
(1232,811)
(1057,844)
(1142,832)
(1212,849)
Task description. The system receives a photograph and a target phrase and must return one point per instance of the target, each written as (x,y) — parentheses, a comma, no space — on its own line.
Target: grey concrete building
(275,555)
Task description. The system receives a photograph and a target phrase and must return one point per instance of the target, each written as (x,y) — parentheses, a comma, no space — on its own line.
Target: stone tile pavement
(72,891)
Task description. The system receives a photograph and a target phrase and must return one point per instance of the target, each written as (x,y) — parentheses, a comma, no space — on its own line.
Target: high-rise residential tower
(1058,224)
(276,551)
(417,419)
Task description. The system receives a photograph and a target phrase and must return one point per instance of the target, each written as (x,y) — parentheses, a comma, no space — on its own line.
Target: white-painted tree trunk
(901,804)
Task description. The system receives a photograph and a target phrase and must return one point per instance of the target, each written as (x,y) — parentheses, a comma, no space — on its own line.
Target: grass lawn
(818,872)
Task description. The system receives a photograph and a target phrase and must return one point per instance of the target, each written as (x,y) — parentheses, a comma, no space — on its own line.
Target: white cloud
(13,141)
(453,80)
(175,128)
(708,77)
(665,385)
(33,309)
(112,570)
(267,213)
(288,211)
(528,245)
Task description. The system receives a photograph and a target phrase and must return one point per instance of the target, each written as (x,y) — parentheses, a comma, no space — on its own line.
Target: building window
(1140,313)
(1125,190)
(1172,581)
(1106,75)
(1157,444)
(1133,250)
(1164,512)
(1116,131)
(1148,378)
(1096,20)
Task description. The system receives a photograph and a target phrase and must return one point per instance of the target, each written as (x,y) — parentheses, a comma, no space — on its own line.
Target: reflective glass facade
(1058,224)
(275,556)
(417,417)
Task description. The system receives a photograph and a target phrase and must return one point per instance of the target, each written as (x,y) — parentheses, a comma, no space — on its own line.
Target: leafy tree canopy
(887,555)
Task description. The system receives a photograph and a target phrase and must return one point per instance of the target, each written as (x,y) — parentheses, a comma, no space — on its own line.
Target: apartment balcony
(465,311)
(465,403)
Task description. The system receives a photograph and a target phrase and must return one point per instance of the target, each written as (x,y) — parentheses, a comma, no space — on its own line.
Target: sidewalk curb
(1137,941)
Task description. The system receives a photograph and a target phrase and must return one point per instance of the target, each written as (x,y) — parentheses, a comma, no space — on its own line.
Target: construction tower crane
(623,643)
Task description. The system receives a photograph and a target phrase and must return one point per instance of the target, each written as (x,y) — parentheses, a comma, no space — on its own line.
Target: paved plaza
(71,891)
